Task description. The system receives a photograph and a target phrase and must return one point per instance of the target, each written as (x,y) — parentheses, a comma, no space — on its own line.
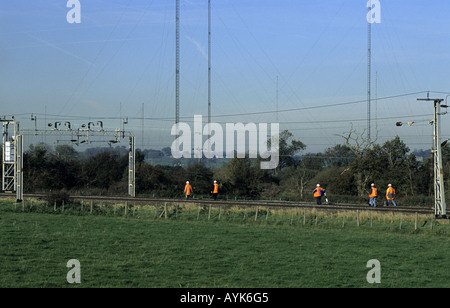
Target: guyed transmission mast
(177,61)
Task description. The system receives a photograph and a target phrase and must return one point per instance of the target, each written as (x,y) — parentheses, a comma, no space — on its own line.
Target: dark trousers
(318,200)
(215,196)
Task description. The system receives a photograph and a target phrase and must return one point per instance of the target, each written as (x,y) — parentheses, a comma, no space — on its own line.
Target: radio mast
(209,62)
(369,74)
(177,61)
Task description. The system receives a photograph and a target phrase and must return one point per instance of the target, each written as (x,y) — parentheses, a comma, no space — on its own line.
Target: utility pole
(440,207)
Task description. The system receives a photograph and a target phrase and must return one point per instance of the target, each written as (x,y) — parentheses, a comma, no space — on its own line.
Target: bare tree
(359,144)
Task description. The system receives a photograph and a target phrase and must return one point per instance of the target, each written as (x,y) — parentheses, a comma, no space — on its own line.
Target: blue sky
(120,60)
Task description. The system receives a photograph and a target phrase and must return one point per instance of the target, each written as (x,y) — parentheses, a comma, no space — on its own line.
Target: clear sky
(307,59)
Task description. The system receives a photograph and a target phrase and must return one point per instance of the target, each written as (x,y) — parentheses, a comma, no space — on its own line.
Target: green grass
(148,252)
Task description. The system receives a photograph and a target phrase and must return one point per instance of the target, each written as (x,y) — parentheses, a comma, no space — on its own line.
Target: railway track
(243,203)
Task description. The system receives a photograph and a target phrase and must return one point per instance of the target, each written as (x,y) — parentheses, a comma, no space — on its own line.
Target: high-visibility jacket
(188,189)
(374,192)
(390,193)
(318,192)
(216,188)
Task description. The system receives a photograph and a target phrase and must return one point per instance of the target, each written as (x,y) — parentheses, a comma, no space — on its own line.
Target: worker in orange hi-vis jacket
(188,190)
(373,195)
(215,190)
(390,195)
(318,193)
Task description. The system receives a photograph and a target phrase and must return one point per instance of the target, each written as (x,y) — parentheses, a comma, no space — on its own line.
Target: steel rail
(243,203)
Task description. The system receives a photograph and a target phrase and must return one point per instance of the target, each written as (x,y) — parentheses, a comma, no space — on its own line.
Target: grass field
(159,253)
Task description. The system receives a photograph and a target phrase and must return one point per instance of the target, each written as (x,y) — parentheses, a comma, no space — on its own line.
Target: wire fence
(258,214)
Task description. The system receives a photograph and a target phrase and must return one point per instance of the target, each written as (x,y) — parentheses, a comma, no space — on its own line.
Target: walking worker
(390,195)
(188,190)
(373,195)
(318,193)
(215,190)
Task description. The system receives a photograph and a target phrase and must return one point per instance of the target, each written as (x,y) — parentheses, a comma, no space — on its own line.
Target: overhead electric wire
(80,117)
(320,106)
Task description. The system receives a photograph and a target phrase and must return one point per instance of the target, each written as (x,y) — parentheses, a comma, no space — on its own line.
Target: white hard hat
(372,184)
(318,185)
(187,182)
(215,181)
(389,185)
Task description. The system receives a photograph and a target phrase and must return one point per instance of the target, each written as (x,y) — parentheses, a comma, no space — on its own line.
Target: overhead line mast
(440,206)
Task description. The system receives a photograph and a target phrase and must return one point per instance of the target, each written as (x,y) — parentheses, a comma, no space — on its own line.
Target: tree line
(344,170)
